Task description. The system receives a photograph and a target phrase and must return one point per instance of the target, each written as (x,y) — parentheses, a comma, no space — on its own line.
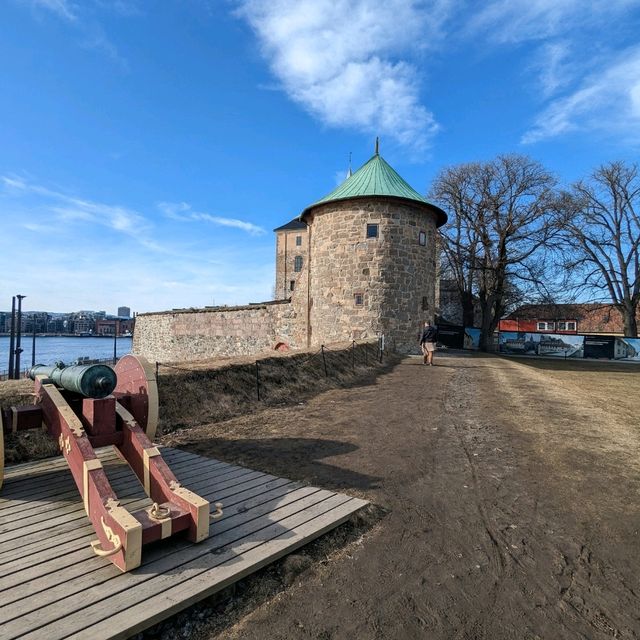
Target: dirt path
(513,505)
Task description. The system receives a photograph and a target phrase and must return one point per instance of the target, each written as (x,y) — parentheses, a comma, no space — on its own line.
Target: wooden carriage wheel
(137,378)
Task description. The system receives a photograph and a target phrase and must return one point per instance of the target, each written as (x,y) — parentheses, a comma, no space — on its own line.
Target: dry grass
(211,391)
(611,385)
(14,392)
(25,445)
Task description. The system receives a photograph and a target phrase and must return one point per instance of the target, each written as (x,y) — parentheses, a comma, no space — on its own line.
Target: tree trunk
(485,326)
(468,315)
(630,322)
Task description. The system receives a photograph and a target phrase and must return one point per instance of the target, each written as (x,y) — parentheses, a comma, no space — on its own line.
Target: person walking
(428,342)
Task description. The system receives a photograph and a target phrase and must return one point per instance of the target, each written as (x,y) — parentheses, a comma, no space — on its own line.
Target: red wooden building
(585,318)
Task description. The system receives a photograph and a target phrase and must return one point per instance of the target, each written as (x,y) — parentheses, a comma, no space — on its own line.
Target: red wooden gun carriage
(84,407)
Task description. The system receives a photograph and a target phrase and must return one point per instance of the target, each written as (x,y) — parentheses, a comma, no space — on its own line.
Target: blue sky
(148,149)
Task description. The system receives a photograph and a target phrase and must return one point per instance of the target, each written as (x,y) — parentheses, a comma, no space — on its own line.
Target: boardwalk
(53,586)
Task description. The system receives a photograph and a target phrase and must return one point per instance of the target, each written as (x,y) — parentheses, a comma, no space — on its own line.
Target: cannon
(91,381)
(88,406)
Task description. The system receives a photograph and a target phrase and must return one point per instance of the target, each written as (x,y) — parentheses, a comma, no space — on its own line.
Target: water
(50,349)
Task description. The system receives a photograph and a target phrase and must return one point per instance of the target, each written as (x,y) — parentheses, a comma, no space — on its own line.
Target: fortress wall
(200,334)
(394,273)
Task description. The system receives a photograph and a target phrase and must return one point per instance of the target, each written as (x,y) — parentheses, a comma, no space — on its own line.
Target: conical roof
(377,178)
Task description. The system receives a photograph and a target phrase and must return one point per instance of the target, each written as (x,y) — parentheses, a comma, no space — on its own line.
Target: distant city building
(124,312)
(79,323)
(114,325)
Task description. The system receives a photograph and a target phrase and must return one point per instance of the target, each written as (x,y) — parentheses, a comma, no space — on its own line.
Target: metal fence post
(353,355)
(157,369)
(258,380)
(324,361)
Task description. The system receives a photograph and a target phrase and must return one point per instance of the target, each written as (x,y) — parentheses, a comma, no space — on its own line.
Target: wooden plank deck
(53,586)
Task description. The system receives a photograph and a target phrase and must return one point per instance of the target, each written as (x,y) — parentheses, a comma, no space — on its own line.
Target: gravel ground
(505,501)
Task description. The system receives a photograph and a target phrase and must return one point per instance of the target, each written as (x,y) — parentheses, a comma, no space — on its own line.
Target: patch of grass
(33,444)
(213,392)
(206,392)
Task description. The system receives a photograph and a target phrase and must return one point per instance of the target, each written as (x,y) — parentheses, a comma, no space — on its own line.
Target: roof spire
(377,145)
(349,173)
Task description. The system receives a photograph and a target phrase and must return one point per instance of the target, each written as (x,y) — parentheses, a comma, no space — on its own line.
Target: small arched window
(297,263)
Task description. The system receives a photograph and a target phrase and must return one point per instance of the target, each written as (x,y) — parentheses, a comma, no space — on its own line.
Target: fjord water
(53,348)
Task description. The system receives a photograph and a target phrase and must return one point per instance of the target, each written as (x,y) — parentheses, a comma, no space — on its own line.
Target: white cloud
(84,20)
(581,85)
(205,266)
(607,100)
(68,208)
(183,212)
(62,8)
(554,67)
(509,21)
(14,182)
(347,62)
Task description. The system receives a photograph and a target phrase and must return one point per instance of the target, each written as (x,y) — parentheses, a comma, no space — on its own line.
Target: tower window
(298,241)
(422,239)
(425,303)
(297,263)
(358,298)
(292,285)
(372,231)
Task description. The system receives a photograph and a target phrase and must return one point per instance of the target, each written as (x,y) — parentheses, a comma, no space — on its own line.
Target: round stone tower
(371,266)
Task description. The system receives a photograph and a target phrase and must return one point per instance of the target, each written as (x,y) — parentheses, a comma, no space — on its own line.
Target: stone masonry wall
(393,272)
(199,334)
(286,252)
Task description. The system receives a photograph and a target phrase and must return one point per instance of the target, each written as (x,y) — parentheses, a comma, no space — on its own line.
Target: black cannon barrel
(90,380)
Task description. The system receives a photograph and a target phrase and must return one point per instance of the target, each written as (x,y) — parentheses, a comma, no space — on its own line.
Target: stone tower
(291,257)
(371,261)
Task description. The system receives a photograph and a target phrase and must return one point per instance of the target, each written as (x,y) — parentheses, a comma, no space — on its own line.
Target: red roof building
(585,318)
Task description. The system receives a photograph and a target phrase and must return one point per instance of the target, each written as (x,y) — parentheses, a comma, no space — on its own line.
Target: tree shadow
(294,458)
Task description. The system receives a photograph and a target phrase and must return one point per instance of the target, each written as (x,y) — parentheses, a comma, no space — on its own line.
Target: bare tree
(500,228)
(600,227)
(454,189)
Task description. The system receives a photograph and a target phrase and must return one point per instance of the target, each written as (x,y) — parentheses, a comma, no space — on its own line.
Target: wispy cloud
(607,100)
(183,212)
(582,84)
(83,18)
(349,62)
(61,8)
(116,254)
(510,21)
(69,208)
(554,67)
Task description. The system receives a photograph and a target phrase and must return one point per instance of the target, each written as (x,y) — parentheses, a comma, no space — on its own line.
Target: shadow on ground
(293,458)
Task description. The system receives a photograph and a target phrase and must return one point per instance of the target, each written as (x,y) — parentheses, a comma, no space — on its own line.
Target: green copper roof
(376,178)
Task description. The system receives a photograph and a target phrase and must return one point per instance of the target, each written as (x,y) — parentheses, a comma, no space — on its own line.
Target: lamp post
(12,339)
(16,370)
(33,343)
(115,342)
